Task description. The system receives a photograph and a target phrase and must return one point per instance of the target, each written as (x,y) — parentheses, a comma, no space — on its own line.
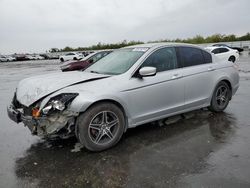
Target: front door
(152,98)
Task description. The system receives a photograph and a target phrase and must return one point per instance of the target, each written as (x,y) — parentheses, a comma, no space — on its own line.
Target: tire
(100,127)
(61,59)
(221,97)
(74,58)
(232,59)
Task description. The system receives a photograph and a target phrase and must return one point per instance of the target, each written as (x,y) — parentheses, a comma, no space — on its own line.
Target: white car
(38,57)
(224,53)
(70,56)
(35,57)
(3,58)
(7,58)
(30,57)
(10,58)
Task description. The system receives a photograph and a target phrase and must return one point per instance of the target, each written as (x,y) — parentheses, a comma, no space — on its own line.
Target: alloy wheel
(222,96)
(103,127)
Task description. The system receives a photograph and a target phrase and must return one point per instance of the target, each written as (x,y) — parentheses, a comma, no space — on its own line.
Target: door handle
(176,76)
(211,69)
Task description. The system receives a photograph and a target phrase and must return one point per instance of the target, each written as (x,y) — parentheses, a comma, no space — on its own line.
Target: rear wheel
(61,59)
(221,97)
(101,126)
(232,59)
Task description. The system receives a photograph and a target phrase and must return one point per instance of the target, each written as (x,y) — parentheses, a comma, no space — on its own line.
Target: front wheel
(221,97)
(101,126)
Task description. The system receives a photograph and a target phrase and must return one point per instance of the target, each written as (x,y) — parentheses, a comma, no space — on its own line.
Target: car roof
(220,44)
(216,47)
(212,47)
(160,44)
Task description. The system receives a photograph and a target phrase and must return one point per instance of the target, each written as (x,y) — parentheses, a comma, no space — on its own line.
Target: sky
(34,26)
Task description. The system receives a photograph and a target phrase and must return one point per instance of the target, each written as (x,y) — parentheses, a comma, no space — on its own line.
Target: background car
(30,57)
(10,58)
(50,56)
(70,56)
(4,58)
(34,57)
(21,57)
(39,57)
(235,48)
(224,53)
(85,62)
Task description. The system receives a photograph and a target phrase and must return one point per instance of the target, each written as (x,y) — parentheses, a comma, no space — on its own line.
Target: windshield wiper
(95,72)
(106,73)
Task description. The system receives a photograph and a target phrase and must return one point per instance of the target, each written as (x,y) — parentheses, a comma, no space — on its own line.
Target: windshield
(118,61)
(87,57)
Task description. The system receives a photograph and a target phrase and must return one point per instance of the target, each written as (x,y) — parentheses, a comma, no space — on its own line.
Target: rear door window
(223,50)
(190,56)
(216,51)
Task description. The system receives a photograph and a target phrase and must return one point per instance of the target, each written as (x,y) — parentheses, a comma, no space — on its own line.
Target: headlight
(59,102)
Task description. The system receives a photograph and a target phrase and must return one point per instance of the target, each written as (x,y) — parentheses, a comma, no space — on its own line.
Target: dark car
(21,57)
(235,48)
(85,62)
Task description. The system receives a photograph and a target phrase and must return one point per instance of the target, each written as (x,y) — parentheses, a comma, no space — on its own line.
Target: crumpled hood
(31,89)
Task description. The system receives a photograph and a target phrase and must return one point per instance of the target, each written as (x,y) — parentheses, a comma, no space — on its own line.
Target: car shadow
(147,156)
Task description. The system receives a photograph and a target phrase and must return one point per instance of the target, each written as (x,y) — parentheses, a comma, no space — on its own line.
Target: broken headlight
(59,102)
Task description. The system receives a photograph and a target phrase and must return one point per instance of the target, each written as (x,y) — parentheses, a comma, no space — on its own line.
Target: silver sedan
(129,87)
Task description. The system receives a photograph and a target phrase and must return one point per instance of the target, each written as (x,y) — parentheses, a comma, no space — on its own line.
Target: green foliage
(67,48)
(244,37)
(198,39)
(54,50)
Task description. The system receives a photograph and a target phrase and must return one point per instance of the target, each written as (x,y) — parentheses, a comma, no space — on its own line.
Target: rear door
(197,73)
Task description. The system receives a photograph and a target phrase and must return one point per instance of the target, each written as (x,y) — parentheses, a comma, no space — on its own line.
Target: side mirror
(147,71)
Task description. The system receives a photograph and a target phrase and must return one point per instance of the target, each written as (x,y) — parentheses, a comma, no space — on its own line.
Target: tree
(52,50)
(67,48)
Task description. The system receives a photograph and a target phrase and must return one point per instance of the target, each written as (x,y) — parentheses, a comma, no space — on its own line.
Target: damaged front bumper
(61,124)
(14,114)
